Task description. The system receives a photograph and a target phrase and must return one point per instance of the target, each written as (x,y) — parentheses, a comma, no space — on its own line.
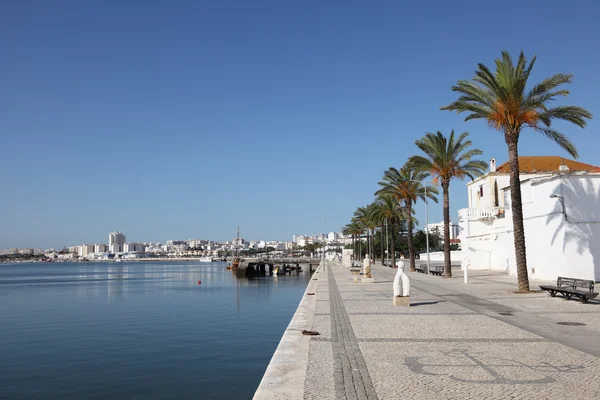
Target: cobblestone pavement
(350,374)
(452,343)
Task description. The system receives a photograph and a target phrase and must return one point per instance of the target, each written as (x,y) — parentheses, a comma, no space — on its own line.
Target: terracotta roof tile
(547,164)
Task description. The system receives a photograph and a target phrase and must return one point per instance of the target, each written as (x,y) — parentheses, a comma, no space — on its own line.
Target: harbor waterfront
(456,340)
(139,330)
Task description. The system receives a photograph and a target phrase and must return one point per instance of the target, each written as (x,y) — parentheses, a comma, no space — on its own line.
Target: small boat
(276,270)
(206,259)
(118,260)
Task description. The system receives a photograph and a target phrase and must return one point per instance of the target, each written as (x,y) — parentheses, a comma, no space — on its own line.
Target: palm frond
(560,139)
(503,100)
(573,114)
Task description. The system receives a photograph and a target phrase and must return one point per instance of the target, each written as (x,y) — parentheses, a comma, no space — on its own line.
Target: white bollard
(466,274)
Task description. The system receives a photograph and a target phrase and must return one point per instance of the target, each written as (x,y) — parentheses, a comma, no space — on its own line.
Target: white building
(75,249)
(561,213)
(100,248)
(276,245)
(439,229)
(133,247)
(302,241)
(86,250)
(196,243)
(116,241)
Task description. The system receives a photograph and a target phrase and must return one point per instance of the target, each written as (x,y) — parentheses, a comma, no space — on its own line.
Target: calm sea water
(138,330)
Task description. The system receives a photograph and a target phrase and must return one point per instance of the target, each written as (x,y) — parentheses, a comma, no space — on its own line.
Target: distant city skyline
(188,119)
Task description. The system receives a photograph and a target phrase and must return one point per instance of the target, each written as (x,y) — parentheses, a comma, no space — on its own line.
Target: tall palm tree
(372,222)
(389,209)
(358,233)
(405,185)
(362,217)
(377,221)
(353,229)
(502,99)
(447,158)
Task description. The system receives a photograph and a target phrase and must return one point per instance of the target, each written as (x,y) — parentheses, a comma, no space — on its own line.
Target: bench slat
(575,283)
(568,292)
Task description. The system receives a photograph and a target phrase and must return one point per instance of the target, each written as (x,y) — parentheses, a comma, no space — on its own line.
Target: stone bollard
(401,287)
(367,278)
(355,271)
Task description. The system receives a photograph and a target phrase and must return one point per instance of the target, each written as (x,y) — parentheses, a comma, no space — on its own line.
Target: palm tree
(502,100)
(447,158)
(377,220)
(405,185)
(353,229)
(360,227)
(362,217)
(372,222)
(388,208)
(347,230)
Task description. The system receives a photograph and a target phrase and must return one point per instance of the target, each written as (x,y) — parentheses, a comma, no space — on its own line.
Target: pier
(266,267)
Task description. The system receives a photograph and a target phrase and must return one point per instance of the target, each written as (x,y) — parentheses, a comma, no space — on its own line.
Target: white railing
(474,214)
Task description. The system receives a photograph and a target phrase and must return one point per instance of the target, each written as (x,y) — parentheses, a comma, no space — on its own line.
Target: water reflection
(84,329)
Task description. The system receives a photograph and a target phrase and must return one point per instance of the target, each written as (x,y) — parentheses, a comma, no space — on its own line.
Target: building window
(481,191)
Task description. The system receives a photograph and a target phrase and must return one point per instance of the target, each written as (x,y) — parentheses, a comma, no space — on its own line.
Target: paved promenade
(456,341)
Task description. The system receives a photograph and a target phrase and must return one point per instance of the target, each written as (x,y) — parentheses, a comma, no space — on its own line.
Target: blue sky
(175,120)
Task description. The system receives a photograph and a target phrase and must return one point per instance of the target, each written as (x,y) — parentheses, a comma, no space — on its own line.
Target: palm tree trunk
(368,243)
(517,213)
(360,246)
(372,253)
(381,244)
(447,261)
(393,248)
(409,228)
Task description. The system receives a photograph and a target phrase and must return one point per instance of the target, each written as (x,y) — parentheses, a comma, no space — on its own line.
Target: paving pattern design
(351,377)
(454,342)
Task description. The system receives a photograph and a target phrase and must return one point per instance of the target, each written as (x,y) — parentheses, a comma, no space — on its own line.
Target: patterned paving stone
(440,349)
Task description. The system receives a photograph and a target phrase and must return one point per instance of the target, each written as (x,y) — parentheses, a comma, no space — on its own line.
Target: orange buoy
(199,282)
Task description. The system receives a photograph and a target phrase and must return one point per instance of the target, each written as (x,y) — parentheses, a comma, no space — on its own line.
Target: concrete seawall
(285,375)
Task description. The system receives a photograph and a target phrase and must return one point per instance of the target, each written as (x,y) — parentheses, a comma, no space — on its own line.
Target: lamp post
(427,229)
(562,203)
(387,248)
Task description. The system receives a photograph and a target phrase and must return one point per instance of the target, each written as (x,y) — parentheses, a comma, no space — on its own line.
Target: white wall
(555,246)
(455,256)
(347,257)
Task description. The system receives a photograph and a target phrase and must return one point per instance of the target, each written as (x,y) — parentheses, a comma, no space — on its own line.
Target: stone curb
(286,372)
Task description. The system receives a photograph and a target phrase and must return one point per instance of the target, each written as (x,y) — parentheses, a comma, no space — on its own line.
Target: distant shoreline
(194,259)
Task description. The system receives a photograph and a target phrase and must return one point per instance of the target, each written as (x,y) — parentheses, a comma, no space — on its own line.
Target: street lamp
(562,203)
(387,248)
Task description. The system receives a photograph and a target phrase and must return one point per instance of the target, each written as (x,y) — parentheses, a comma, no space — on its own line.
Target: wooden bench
(570,287)
(433,269)
(436,270)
